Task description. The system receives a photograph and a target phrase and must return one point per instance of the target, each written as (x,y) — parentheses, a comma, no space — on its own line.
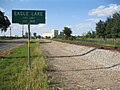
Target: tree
(39,36)
(116,26)
(91,34)
(88,35)
(34,34)
(4,22)
(67,31)
(109,25)
(101,29)
(108,29)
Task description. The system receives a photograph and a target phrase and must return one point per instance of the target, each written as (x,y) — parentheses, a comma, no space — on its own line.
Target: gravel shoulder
(73,67)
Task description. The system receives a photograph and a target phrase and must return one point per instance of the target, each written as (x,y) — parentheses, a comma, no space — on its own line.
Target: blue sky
(80,15)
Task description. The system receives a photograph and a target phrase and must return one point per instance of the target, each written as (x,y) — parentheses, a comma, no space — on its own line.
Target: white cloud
(39,28)
(41,25)
(105,11)
(80,28)
(6,13)
(17,29)
(93,20)
(83,25)
(1,9)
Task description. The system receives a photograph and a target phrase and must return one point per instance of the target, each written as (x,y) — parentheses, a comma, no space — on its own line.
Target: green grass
(104,43)
(14,73)
(98,42)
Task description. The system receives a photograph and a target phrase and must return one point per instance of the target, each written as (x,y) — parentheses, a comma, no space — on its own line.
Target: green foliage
(107,29)
(38,36)
(35,34)
(10,67)
(100,42)
(109,25)
(4,22)
(47,37)
(116,25)
(34,79)
(72,38)
(91,34)
(67,31)
(101,29)
(14,73)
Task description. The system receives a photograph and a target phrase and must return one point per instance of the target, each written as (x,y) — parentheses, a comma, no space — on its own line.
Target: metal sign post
(28,17)
(29,62)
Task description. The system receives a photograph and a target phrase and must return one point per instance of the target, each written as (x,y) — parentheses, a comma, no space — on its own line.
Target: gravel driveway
(73,67)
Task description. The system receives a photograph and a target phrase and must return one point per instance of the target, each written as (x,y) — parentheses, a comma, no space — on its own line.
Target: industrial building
(53,33)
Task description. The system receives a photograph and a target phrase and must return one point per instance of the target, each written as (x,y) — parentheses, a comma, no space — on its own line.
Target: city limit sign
(28,16)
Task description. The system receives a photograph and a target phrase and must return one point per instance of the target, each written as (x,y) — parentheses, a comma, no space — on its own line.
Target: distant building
(26,34)
(53,33)
(61,34)
(16,35)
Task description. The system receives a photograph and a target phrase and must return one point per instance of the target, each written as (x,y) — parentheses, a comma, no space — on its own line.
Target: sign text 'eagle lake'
(28,16)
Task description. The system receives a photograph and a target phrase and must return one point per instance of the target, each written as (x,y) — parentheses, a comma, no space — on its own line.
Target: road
(6,44)
(73,67)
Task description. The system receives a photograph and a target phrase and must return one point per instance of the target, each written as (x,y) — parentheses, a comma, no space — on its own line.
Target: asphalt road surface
(6,44)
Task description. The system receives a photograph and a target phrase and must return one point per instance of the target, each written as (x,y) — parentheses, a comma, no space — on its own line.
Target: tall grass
(34,79)
(15,75)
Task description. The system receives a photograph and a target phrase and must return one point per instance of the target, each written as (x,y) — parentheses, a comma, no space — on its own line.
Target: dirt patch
(73,67)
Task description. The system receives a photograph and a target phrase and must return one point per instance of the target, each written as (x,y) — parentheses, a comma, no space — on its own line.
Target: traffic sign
(28,16)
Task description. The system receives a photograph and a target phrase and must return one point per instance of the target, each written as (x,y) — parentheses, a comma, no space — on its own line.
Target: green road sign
(28,16)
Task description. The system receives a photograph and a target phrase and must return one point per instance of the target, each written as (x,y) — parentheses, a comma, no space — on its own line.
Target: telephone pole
(22,30)
(10,31)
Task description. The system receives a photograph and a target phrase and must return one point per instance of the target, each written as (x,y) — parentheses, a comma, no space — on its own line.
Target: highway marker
(28,17)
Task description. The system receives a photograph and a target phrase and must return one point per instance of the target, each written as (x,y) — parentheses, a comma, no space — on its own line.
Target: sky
(79,15)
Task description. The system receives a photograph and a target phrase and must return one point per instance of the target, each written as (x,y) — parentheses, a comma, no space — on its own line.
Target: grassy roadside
(94,42)
(14,73)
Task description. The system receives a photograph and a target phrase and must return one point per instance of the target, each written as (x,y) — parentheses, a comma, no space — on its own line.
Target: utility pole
(22,30)
(10,31)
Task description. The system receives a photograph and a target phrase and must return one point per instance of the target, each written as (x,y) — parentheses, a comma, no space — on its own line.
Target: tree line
(110,28)
(107,29)
(4,22)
